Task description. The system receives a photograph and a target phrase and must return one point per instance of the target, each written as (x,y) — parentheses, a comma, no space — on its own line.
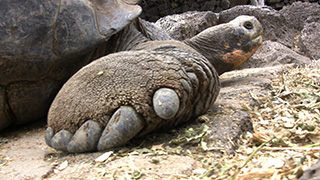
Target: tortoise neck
(136,33)
(126,40)
(210,47)
(151,31)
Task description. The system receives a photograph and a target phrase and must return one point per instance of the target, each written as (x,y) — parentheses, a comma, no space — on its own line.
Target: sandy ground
(24,155)
(200,148)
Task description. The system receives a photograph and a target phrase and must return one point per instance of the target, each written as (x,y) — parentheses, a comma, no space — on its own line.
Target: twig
(255,152)
(312,145)
(313,85)
(291,148)
(250,157)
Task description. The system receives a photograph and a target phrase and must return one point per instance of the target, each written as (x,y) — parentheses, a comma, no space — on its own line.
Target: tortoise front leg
(124,125)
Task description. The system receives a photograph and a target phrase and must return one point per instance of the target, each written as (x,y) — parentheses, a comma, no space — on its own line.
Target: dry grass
(286,138)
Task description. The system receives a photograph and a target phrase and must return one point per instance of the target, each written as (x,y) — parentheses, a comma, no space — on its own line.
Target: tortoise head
(227,46)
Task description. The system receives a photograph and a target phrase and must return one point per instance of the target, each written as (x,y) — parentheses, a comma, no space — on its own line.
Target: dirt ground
(232,141)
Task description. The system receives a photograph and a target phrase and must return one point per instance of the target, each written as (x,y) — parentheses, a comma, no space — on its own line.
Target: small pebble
(199,171)
(62,166)
(103,157)
(277,163)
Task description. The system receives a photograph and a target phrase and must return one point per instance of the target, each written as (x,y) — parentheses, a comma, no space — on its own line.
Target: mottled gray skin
(43,43)
(131,79)
(228,46)
(153,84)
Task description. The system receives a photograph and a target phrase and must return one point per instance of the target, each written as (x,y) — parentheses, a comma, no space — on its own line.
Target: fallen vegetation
(285,140)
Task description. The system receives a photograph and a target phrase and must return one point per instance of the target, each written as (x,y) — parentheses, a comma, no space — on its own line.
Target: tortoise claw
(124,124)
(48,135)
(60,140)
(166,103)
(86,138)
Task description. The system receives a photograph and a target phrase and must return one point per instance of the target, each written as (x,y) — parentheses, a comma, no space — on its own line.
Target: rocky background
(291,37)
(154,9)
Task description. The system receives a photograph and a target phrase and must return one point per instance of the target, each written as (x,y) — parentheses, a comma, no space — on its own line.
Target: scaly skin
(130,79)
(227,46)
(155,84)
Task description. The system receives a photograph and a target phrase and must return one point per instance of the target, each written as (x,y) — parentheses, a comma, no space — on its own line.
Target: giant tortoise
(147,86)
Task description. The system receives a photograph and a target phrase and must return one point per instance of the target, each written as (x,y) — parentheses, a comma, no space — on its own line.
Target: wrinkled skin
(156,84)
(231,45)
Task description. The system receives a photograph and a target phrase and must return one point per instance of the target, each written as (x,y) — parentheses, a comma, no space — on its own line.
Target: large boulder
(285,41)
(273,53)
(188,24)
(298,14)
(305,18)
(309,41)
(275,25)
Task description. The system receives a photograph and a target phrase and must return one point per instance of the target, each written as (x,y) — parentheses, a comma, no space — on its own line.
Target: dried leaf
(103,157)
(100,73)
(62,166)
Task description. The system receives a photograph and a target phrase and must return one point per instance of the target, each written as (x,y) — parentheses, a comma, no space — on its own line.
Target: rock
(178,6)
(186,25)
(305,18)
(225,4)
(309,41)
(195,6)
(62,166)
(273,53)
(209,5)
(257,2)
(275,26)
(274,162)
(229,119)
(312,173)
(273,1)
(238,2)
(298,13)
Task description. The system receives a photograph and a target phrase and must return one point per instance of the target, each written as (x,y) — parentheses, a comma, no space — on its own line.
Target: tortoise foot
(166,103)
(58,141)
(86,138)
(124,124)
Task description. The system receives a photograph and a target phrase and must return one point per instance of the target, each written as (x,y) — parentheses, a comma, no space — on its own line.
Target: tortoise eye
(248,25)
